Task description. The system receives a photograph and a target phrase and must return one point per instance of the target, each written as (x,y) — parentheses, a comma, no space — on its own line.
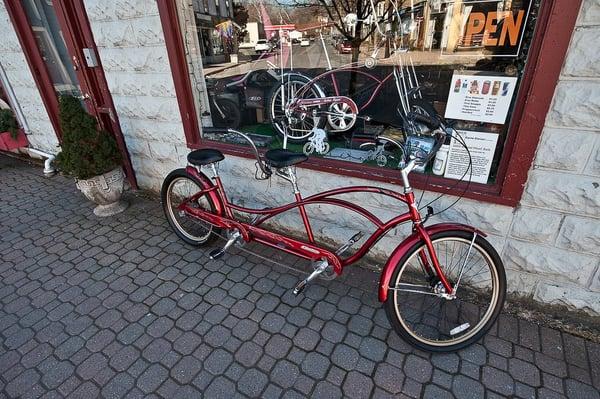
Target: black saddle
(205,156)
(280,158)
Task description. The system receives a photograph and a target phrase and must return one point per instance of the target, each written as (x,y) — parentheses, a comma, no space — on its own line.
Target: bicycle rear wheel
(420,313)
(177,187)
(298,127)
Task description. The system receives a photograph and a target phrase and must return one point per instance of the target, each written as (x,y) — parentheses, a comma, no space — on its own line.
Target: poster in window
(480,98)
(481,147)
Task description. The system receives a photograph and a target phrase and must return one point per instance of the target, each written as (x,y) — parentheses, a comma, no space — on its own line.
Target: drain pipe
(49,170)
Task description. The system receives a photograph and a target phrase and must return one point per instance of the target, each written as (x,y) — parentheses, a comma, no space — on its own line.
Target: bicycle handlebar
(220,130)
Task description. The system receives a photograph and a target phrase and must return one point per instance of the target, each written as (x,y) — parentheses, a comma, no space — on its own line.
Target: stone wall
(41,133)
(131,45)
(555,235)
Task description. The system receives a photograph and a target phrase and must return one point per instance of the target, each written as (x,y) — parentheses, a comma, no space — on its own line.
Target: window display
(336,84)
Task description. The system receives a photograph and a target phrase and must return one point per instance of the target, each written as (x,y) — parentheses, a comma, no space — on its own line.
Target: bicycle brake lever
(428,215)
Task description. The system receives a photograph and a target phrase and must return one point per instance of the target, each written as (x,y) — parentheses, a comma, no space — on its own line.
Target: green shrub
(86,151)
(8,123)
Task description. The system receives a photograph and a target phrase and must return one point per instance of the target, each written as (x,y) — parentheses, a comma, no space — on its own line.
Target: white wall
(131,45)
(41,133)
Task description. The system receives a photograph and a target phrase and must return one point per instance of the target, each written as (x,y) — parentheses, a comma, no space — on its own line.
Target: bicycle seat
(205,156)
(280,158)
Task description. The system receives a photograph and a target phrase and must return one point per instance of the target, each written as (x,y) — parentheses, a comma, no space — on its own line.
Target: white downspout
(49,170)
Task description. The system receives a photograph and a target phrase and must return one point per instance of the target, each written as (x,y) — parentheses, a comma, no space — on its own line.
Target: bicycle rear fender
(206,184)
(407,244)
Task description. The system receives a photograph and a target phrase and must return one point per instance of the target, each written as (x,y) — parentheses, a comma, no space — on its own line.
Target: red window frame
(556,21)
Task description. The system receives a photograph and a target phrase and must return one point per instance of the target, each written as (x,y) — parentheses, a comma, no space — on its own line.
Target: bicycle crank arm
(353,240)
(302,284)
(217,253)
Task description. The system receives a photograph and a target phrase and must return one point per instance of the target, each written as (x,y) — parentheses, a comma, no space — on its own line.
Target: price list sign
(480,98)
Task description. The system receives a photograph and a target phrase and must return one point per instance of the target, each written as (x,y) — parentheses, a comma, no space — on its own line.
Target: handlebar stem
(404,172)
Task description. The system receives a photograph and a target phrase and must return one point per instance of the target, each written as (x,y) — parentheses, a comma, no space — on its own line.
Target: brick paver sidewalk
(119,307)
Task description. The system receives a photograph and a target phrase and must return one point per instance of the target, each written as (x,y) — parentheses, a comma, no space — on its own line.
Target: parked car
(304,42)
(262,46)
(344,47)
(231,97)
(246,45)
(295,41)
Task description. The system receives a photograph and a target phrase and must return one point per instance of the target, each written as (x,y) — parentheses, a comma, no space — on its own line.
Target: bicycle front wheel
(418,307)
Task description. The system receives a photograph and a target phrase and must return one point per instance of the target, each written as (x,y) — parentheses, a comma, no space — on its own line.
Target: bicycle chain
(242,249)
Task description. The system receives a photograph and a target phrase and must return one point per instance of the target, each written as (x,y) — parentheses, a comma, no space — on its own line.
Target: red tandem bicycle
(443,286)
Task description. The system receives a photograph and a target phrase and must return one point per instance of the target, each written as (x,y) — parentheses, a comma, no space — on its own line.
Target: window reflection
(460,59)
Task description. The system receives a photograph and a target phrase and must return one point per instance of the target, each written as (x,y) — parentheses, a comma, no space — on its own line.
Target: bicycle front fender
(407,244)
(206,184)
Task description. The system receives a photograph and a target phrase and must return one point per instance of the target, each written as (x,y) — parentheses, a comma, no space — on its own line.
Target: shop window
(462,60)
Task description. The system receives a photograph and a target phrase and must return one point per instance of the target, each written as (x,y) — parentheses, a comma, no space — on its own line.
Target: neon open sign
(483,28)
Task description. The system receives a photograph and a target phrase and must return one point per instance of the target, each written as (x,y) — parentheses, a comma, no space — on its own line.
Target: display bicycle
(300,105)
(443,286)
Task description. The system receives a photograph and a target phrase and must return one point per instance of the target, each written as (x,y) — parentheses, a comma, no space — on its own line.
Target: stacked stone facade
(131,45)
(550,242)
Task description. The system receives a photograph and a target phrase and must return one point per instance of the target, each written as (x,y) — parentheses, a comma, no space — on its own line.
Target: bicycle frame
(223,218)
(379,84)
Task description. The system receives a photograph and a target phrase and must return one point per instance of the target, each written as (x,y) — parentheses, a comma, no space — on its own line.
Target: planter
(105,190)
(7,143)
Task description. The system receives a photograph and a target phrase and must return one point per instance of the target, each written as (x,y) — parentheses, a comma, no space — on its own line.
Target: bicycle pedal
(300,287)
(318,270)
(216,253)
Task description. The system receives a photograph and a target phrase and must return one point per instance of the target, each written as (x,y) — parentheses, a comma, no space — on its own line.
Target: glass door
(51,44)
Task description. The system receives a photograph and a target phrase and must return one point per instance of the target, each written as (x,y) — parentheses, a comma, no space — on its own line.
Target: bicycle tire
(189,238)
(401,326)
(233,116)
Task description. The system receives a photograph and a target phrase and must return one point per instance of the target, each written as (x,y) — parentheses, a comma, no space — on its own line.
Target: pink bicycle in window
(300,104)
(443,286)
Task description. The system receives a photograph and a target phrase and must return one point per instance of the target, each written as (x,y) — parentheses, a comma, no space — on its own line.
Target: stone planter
(105,190)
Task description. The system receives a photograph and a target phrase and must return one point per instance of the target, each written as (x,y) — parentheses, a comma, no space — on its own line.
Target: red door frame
(556,21)
(77,33)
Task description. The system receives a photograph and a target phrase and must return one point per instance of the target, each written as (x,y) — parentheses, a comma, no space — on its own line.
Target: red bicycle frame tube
(223,218)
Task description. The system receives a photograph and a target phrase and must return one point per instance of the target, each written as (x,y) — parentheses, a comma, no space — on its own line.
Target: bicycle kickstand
(318,270)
